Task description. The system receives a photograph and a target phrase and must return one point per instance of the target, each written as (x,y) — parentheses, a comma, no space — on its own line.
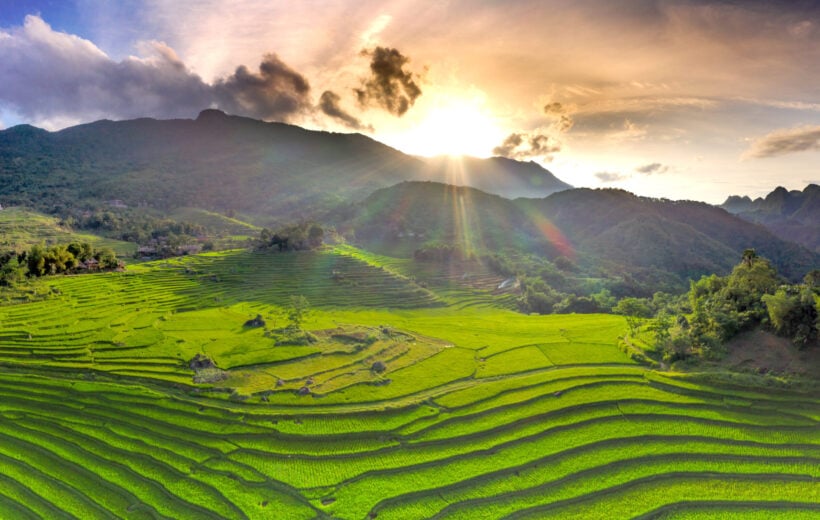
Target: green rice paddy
(480,412)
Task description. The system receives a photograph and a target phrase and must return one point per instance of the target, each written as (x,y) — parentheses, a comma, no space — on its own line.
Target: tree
(793,313)
(661,326)
(11,271)
(81,251)
(298,311)
(315,235)
(107,258)
(635,310)
(812,280)
(749,256)
(36,259)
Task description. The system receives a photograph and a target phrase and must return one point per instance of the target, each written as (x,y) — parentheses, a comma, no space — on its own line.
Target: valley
(477,411)
(420,341)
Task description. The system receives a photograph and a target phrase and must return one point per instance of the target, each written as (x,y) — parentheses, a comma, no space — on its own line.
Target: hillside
(431,212)
(21,228)
(610,229)
(224,164)
(684,237)
(474,412)
(791,215)
(499,175)
(215,162)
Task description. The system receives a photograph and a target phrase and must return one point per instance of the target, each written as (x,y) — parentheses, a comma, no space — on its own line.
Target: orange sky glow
(676,99)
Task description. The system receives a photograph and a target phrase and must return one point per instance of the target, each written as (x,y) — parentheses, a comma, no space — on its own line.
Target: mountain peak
(500,175)
(211,114)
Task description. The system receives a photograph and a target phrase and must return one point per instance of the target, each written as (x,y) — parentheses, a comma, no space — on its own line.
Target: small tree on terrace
(298,311)
(635,310)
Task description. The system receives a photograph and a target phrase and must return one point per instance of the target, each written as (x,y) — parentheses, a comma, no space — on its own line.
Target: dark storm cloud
(389,85)
(649,169)
(782,142)
(275,92)
(610,176)
(329,105)
(527,146)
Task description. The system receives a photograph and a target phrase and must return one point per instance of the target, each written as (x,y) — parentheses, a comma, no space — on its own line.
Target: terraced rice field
(480,413)
(21,228)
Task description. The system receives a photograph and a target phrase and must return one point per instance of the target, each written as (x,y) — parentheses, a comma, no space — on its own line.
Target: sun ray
(452,127)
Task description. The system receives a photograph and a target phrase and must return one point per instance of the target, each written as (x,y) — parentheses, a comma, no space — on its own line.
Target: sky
(674,99)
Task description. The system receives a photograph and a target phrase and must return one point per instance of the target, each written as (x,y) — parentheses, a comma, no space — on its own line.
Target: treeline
(718,308)
(296,237)
(578,284)
(137,227)
(40,260)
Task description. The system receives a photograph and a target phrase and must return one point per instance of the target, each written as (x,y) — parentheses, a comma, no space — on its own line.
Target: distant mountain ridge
(793,215)
(220,162)
(667,241)
(497,175)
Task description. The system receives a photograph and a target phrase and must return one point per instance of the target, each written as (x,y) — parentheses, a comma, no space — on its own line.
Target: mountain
(216,162)
(499,175)
(655,239)
(792,215)
(431,212)
(685,237)
(221,163)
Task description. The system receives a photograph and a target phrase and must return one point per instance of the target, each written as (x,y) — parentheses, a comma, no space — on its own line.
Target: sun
(454,127)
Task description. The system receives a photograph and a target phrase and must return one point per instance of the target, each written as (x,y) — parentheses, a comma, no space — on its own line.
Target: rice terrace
(478,411)
(339,260)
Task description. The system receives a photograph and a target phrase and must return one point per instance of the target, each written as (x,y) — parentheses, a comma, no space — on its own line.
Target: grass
(480,412)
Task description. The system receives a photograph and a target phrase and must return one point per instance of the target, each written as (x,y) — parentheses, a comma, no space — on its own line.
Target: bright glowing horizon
(680,99)
(453,127)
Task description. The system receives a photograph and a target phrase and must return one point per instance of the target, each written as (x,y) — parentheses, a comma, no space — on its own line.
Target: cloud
(653,168)
(562,122)
(54,79)
(610,176)
(389,85)
(329,105)
(523,146)
(542,145)
(554,108)
(629,131)
(52,75)
(785,141)
(511,142)
(276,92)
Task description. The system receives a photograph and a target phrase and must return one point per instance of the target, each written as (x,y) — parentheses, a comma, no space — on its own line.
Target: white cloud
(54,79)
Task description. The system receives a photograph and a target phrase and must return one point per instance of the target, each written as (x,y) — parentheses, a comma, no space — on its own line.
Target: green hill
(220,163)
(422,212)
(499,175)
(21,228)
(686,238)
(608,231)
